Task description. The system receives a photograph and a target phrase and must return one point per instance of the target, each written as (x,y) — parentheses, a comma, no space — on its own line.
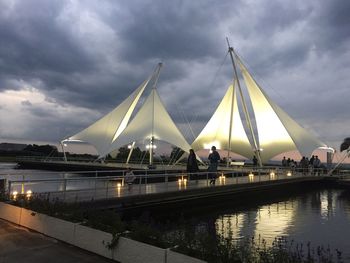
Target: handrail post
(95,184)
(107,189)
(140,181)
(64,188)
(9,189)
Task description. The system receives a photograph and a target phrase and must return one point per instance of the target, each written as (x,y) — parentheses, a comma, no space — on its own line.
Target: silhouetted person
(192,166)
(255,161)
(284,161)
(214,158)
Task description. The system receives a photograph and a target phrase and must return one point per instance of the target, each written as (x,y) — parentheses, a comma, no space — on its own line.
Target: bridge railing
(71,187)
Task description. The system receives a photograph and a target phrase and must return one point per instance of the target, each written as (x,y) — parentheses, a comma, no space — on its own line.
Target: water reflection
(267,222)
(321,217)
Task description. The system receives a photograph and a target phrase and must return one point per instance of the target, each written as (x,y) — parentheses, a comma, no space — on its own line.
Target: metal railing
(69,188)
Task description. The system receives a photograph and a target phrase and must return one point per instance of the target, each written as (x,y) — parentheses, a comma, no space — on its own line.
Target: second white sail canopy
(152,120)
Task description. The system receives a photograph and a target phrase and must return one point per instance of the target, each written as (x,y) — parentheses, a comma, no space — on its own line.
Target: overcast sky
(64,64)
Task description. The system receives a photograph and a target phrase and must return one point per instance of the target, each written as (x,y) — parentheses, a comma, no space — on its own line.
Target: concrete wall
(126,251)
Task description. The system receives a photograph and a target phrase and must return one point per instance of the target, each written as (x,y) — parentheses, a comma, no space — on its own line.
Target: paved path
(19,245)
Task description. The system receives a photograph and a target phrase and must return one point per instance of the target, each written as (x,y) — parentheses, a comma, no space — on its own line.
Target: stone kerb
(10,213)
(131,251)
(60,229)
(93,240)
(174,257)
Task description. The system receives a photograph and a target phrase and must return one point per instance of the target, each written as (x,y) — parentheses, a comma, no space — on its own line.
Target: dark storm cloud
(332,25)
(32,42)
(180,30)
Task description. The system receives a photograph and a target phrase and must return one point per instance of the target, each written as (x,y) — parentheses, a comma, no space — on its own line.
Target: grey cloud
(26,103)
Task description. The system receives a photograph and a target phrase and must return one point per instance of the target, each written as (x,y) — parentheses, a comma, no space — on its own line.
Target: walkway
(19,245)
(88,188)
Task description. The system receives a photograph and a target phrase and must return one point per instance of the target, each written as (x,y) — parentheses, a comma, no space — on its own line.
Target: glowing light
(14,194)
(222,179)
(272,175)
(251,177)
(119,185)
(182,181)
(29,194)
(129,146)
(210,144)
(149,146)
(289,173)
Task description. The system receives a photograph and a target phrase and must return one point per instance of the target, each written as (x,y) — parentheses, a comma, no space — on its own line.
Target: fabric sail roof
(217,130)
(277,131)
(151,120)
(104,131)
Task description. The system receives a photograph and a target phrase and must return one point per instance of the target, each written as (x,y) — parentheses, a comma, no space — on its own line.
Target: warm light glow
(222,179)
(182,181)
(29,194)
(149,146)
(251,177)
(272,175)
(14,193)
(129,146)
(289,173)
(210,144)
(119,185)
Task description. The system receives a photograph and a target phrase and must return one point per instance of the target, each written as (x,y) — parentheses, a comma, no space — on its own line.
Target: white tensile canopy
(104,131)
(226,119)
(276,132)
(152,122)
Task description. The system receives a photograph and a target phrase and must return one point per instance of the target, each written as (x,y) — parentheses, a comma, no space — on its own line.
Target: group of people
(192,167)
(305,164)
(214,159)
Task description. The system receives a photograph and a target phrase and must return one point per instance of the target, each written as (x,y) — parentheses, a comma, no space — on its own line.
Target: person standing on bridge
(192,166)
(214,158)
(129,178)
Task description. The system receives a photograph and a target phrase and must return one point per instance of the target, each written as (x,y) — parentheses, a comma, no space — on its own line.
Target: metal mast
(151,144)
(245,110)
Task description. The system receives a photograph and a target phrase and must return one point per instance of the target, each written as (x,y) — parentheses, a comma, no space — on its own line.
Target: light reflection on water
(321,217)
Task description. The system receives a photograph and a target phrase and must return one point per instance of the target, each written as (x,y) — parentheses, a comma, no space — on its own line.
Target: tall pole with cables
(245,109)
(151,145)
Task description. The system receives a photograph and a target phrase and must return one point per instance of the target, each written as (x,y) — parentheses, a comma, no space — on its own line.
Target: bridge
(162,188)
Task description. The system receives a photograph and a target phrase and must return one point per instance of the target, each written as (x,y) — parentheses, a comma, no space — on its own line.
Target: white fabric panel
(305,142)
(143,126)
(101,133)
(217,130)
(277,132)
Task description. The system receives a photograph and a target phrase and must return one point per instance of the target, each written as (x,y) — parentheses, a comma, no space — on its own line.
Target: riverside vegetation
(187,237)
